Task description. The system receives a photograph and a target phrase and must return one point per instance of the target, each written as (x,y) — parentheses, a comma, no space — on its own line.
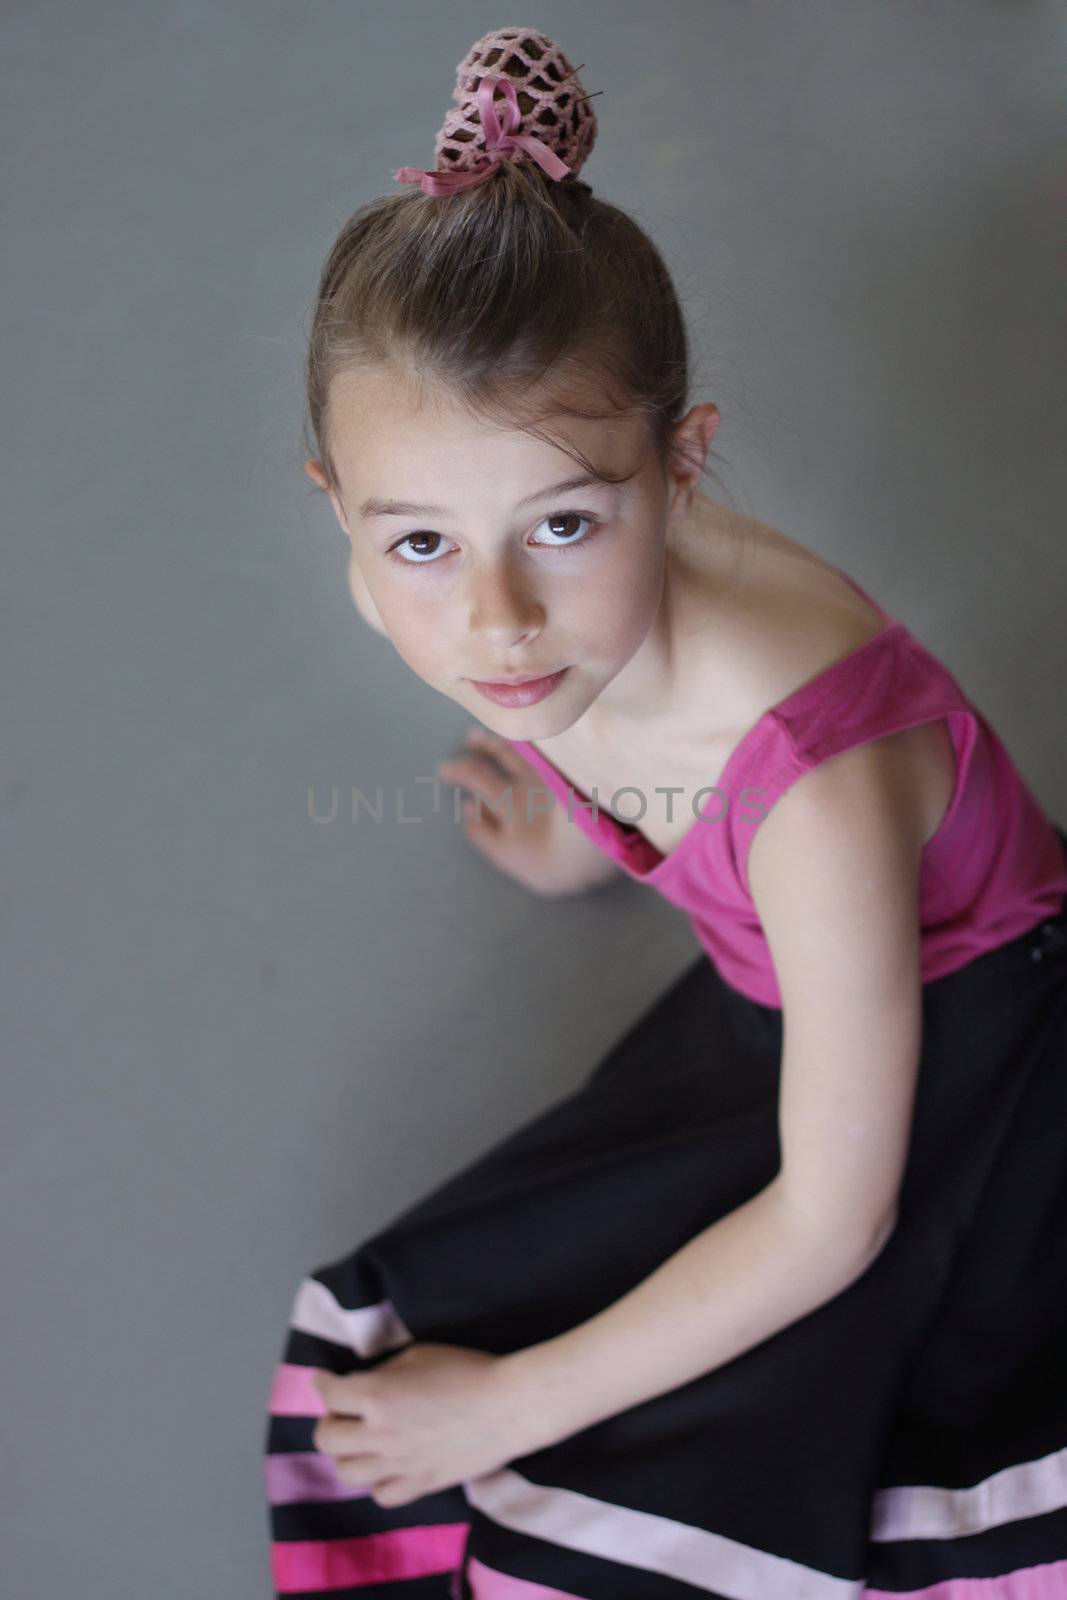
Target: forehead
(385,429)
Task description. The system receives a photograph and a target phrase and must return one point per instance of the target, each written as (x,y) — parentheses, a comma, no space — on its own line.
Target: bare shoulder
(768,613)
(778,615)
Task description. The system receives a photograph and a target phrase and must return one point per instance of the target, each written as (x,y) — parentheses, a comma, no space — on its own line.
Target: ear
(689,450)
(317,473)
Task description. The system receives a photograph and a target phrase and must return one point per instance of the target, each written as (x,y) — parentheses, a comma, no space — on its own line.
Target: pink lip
(520,691)
(508,683)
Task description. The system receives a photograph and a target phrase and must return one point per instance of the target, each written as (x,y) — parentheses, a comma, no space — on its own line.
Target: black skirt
(907,1437)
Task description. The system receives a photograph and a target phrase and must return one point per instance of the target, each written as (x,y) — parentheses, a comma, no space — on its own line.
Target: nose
(503,607)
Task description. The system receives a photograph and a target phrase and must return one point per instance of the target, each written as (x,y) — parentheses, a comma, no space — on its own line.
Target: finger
(501,750)
(483,779)
(491,839)
(515,765)
(354,1436)
(358,1472)
(476,820)
(363,1464)
(342,1394)
(342,1436)
(327,1386)
(394,1492)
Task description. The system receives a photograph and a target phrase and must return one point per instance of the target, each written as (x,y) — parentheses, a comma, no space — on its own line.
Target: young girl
(773,1307)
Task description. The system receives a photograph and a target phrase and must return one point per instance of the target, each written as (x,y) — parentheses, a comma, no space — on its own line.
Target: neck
(646,686)
(703,569)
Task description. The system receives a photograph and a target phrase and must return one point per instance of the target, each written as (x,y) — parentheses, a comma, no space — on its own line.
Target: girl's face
(482,558)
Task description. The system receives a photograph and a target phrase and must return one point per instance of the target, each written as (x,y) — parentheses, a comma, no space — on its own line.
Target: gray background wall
(236,1041)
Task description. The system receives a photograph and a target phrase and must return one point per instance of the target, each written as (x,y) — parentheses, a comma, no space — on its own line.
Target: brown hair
(522,296)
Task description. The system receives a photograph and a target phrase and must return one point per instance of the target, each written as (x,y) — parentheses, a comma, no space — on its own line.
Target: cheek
(628,595)
(417,629)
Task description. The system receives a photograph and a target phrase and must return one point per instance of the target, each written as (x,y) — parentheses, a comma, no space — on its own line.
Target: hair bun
(550,96)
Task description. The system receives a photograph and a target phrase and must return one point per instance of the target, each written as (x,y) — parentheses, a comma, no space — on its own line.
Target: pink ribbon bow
(500,142)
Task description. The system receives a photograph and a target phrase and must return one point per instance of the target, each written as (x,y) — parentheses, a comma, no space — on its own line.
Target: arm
(834,875)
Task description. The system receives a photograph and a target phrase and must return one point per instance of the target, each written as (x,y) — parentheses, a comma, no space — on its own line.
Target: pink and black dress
(909,1437)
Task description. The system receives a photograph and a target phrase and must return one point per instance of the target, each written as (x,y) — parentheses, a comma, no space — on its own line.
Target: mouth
(519,692)
(515,683)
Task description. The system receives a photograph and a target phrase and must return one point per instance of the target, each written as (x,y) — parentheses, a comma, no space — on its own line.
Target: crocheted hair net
(549,93)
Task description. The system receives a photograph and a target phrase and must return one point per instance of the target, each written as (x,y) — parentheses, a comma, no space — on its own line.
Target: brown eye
(417,543)
(424,549)
(561,524)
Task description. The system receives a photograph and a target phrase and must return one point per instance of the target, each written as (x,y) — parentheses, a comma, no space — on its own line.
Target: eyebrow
(408,508)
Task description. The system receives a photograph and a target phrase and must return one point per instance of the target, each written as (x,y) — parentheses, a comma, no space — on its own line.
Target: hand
(517,838)
(422,1421)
